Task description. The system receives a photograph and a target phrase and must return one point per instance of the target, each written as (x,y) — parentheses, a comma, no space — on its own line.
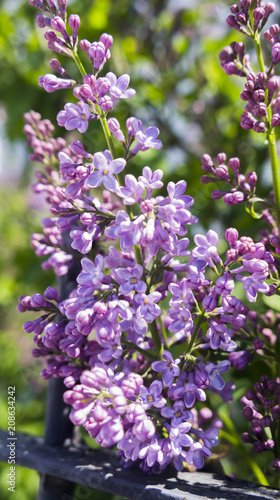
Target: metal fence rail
(99,469)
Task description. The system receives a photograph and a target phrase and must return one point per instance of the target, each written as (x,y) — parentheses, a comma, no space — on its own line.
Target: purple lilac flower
(195,455)
(182,320)
(152,452)
(182,293)
(207,248)
(178,413)
(119,86)
(92,273)
(130,279)
(152,396)
(169,367)
(190,392)
(213,371)
(132,191)
(179,437)
(220,336)
(145,140)
(105,172)
(147,308)
(75,116)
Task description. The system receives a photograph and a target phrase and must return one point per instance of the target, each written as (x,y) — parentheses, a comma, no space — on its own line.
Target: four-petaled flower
(152,396)
(75,116)
(130,279)
(105,172)
(169,367)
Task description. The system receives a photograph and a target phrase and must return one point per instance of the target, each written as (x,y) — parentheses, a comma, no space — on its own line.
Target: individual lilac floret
(132,191)
(196,455)
(213,371)
(152,396)
(75,116)
(105,172)
(92,273)
(147,308)
(178,413)
(190,392)
(169,367)
(145,140)
(207,248)
(130,279)
(119,86)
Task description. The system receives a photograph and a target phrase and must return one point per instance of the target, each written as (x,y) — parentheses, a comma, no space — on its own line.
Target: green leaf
(252,209)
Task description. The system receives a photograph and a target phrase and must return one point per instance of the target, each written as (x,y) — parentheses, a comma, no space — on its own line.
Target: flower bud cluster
(262,410)
(241,187)
(143,288)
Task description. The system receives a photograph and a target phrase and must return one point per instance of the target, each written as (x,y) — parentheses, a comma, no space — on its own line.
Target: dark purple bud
(259,127)
(275,412)
(251,395)
(260,109)
(240,49)
(240,18)
(43,21)
(240,359)
(273,85)
(275,52)
(258,447)
(231,235)
(276,464)
(217,194)
(74,23)
(221,158)
(59,25)
(272,386)
(85,45)
(252,178)
(234,164)
(247,121)
(245,5)
(107,40)
(275,120)
(62,7)
(266,421)
(246,95)
(234,8)
(268,444)
(246,438)
(258,15)
(248,413)
(258,344)
(232,23)
(259,95)
(234,198)
(269,9)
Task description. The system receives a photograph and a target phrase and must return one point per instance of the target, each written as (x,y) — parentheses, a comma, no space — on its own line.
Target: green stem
(163,331)
(195,333)
(135,347)
(233,437)
(79,63)
(156,339)
(270,138)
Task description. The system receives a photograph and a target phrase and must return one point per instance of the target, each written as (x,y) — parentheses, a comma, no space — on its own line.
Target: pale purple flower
(252,286)
(147,308)
(151,180)
(169,367)
(182,293)
(132,191)
(75,116)
(152,396)
(152,452)
(115,128)
(92,273)
(179,437)
(105,172)
(119,86)
(213,371)
(178,413)
(220,336)
(195,455)
(207,247)
(182,320)
(224,285)
(130,279)
(190,392)
(145,140)
(126,229)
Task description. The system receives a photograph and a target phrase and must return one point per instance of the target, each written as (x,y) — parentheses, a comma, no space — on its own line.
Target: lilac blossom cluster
(154,321)
(262,109)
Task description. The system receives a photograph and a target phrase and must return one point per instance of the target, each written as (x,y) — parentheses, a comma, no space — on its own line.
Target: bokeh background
(170,48)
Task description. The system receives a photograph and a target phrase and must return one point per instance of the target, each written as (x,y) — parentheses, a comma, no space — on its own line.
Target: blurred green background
(170,49)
